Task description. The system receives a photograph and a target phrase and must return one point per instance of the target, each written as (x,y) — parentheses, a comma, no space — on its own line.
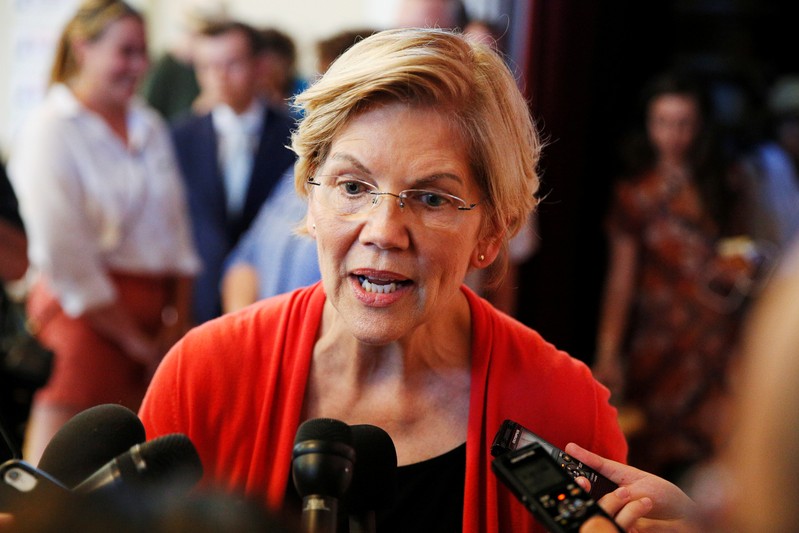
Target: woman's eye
(431,199)
(353,187)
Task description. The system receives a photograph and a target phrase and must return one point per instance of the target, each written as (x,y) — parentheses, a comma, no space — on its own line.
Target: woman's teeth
(378,288)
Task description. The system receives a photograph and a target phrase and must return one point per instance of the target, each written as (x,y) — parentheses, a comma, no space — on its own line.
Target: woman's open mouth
(380,285)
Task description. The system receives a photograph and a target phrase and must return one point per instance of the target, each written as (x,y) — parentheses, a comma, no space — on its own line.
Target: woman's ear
(79,46)
(486,251)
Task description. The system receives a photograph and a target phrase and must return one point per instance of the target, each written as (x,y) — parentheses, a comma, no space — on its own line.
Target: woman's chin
(377,327)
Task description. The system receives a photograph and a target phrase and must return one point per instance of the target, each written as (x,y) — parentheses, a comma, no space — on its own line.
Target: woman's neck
(415,389)
(113,113)
(672,164)
(440,344)
(673,171)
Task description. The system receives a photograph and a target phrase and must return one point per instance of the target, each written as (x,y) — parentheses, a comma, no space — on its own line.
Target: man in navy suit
(231,156)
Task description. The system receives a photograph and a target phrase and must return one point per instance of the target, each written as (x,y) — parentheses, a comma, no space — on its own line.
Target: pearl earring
(481,258)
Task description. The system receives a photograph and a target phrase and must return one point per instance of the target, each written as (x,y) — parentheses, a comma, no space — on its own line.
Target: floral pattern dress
(683,324)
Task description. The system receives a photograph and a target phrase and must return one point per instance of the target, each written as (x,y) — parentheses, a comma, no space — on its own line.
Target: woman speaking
(417,156)
(108,229)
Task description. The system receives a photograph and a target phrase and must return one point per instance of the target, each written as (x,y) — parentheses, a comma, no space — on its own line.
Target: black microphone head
(323,457)
(170,458)
(89,440)
(325,429)
(374,481)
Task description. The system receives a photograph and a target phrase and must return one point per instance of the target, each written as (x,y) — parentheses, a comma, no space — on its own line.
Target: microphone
(321,467)
(374,482)
(169,459)
(88,440)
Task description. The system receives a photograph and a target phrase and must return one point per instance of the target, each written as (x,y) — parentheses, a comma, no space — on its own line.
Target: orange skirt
(88,369)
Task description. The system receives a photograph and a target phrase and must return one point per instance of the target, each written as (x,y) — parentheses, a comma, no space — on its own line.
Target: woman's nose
(386,226)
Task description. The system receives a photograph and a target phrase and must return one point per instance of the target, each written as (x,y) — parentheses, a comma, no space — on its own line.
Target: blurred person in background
(170,85)
(13,243)
(670,316)
(277,79)
(750,486)
(109,237)
(328,49)
(15,396)
(273,257)
(484,31)
(444,14)
(771,173)
(232,156)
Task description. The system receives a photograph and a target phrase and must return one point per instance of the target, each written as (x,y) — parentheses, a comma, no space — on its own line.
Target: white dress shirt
(91,204)
(237,137)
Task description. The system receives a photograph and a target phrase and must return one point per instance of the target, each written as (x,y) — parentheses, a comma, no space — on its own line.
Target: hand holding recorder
(643,500)
(513,436)
(549,491)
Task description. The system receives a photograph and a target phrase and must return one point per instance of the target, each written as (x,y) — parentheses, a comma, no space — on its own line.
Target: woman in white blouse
(102,201)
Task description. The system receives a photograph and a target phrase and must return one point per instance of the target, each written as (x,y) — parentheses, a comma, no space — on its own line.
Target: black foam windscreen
(166,461)
(170,455)
(323,429)
(322,457)
(374,480)
(89,440)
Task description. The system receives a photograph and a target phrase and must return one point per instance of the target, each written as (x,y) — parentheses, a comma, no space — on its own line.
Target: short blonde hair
(429,67)
(89,22)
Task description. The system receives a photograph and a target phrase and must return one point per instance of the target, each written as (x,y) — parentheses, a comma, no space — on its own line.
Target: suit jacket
(215,232)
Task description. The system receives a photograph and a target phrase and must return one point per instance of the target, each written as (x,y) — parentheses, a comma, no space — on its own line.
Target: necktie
(237,167)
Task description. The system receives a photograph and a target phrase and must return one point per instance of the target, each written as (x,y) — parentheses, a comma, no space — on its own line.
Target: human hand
(618,504)
(144,350)
(170,334)
(671,509)
(598,524)
(115,323)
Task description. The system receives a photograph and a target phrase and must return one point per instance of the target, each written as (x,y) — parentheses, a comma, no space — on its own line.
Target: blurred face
(480,33)
(427,14)
(385,272)
(273,75)
(226,69)
(673,124)
(112,65)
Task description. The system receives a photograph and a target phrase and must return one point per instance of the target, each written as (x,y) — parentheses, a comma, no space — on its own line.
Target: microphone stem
(319,514)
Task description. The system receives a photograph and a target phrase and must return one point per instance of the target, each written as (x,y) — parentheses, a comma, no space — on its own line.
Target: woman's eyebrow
(340,156)
(421,181)
(432,178)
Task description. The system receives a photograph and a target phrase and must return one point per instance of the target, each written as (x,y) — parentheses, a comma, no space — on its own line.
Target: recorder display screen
(538,475)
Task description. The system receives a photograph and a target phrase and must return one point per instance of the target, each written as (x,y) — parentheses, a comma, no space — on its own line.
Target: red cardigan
(235,387)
